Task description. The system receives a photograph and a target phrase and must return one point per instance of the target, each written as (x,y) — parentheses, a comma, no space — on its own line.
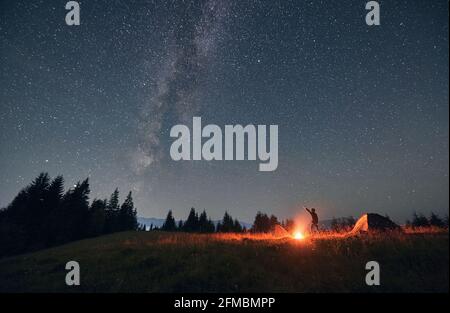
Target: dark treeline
(434,220)
(196,223)
(342,223)
(203,224)
(43,215)
(265,224)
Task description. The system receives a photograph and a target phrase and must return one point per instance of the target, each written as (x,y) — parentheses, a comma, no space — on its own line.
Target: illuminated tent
(280,232)
(373,222)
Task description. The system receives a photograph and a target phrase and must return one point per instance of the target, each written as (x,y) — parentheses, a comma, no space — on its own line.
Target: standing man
(315,219)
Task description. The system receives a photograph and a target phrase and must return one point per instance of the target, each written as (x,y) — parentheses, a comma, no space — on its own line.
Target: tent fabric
(373,222)
(280,232)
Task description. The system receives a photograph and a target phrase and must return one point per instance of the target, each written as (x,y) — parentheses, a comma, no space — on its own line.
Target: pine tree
(75,210)
(112,213)
(436,221)
(55,194)
(420,220)
(52,201)
(97,217)
(113,203)
(127,215)
(227,224)
(219,227)
(203,222)
(33,216)
(210,227)
(273,221)
(169,223)
(24,219)
(237,227)
(192,222)
(205,225)
(261,223)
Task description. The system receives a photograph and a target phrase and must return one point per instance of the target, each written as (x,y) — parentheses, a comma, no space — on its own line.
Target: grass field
(179,262)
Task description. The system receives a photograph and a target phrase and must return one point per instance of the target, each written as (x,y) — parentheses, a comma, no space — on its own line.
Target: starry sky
(362,111)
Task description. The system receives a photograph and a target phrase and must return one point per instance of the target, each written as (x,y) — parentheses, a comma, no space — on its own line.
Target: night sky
(362,111)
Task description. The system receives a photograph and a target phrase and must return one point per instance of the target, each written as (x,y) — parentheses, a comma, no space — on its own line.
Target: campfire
(299,235)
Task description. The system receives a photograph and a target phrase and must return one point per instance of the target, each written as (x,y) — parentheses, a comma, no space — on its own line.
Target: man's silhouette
(315,219)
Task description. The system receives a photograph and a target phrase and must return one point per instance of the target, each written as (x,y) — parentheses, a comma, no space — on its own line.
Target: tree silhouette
(192,222)
(342,224)
(169,223)
(419,221)
(218,227)
(228,225)
(75,209)
(205,224)
(273,222)
(127,215)
(436,221)
(22,220)
(112,213)
(237,227)
(97,218)
(261,224)
(53,203)
(42,215)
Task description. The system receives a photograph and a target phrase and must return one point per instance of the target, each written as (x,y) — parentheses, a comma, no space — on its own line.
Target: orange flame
(299,236)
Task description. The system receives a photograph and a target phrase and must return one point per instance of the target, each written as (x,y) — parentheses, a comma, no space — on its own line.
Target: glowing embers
(298,235)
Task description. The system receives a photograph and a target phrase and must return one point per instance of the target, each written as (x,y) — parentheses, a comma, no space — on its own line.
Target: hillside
(179,262)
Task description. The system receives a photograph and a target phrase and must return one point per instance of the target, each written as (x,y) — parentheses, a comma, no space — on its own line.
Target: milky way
(191,44)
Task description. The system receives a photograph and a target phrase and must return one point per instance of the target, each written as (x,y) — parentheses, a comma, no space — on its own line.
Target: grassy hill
(179,262)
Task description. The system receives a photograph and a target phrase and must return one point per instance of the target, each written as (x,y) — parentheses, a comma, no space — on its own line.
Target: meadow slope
(179,262)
